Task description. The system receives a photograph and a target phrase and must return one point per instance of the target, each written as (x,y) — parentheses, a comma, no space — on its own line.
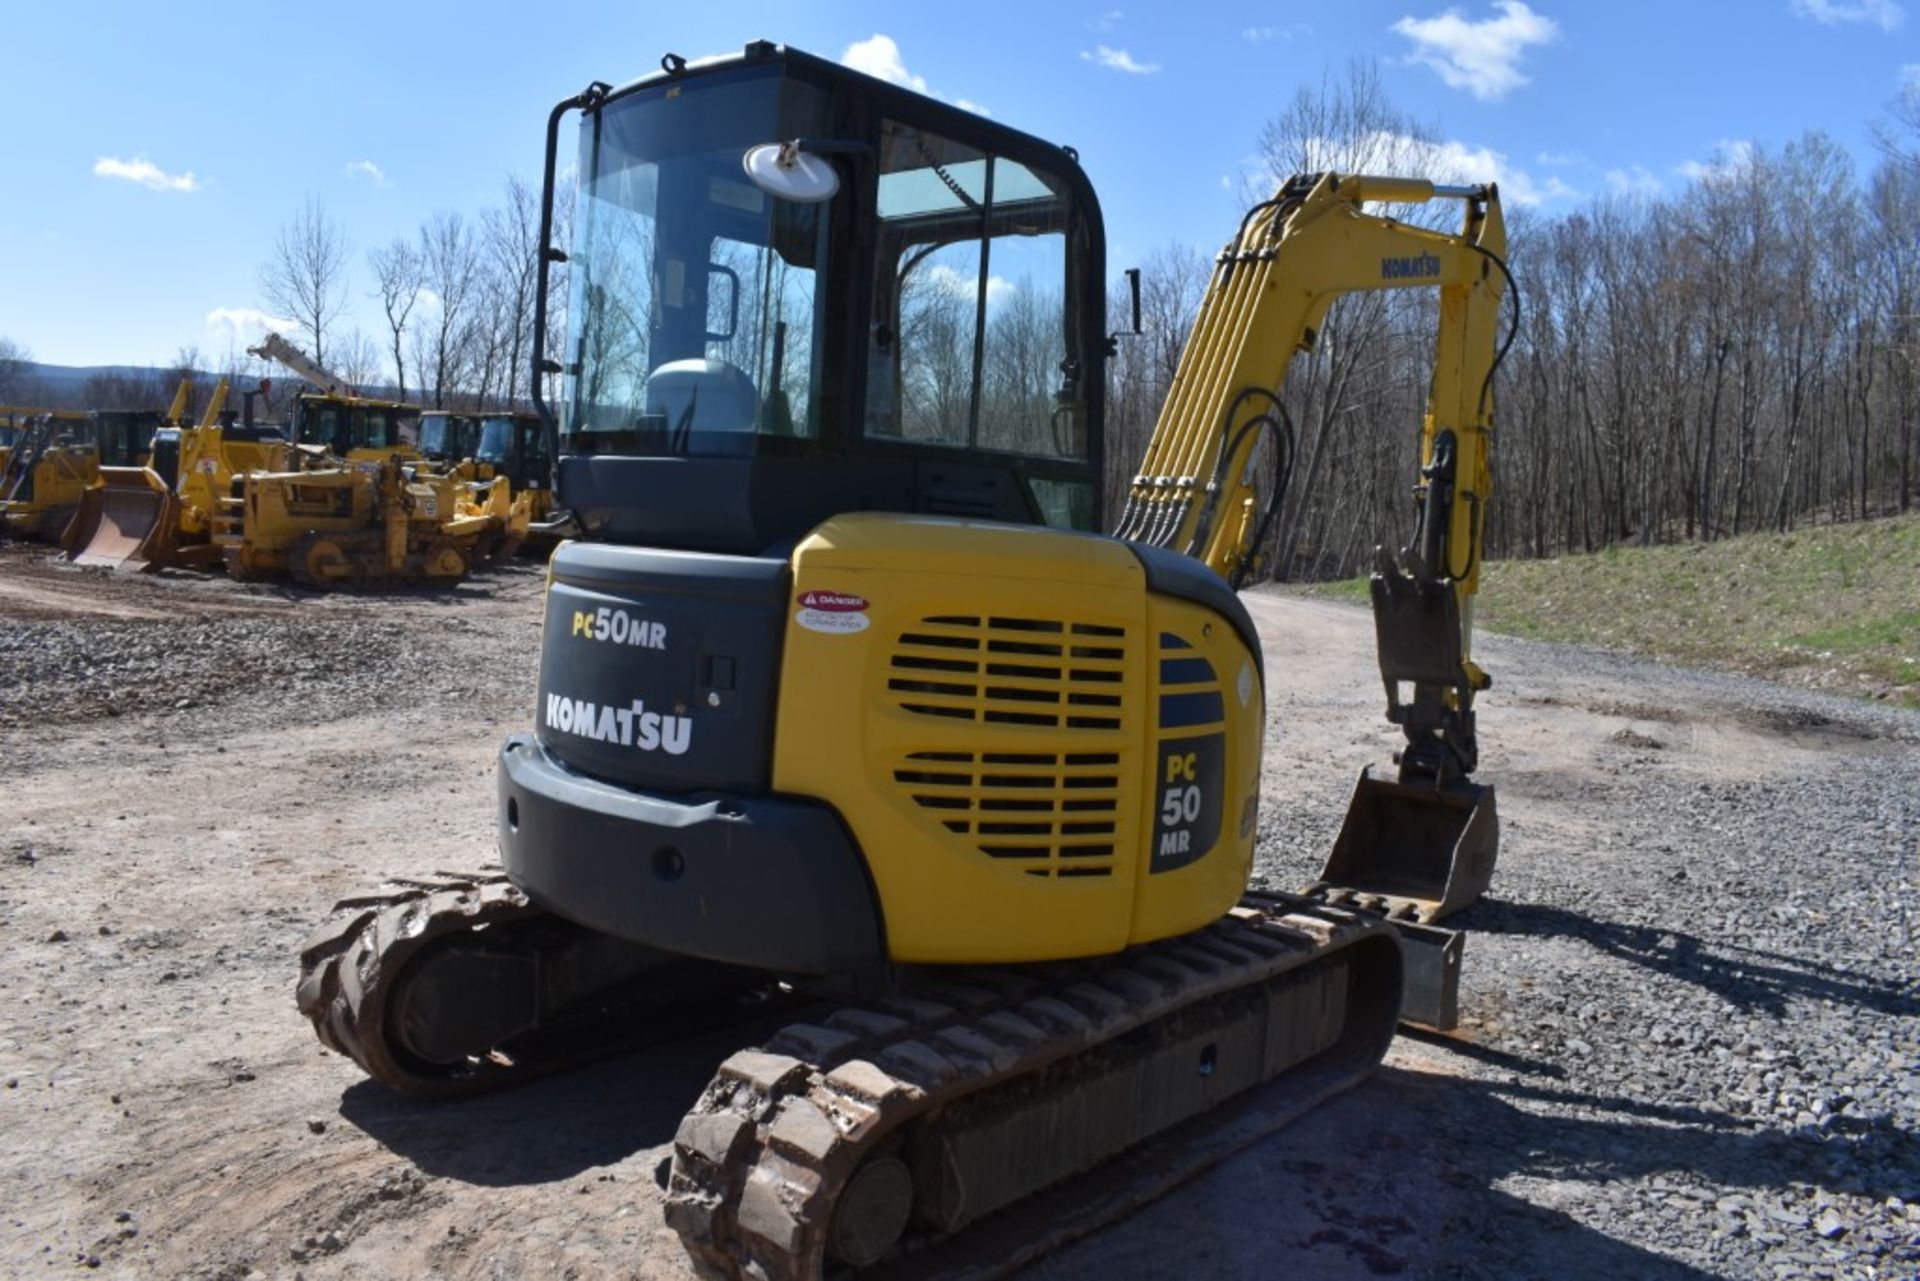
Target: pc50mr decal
(1191,785)
(629,726)
(834,613)
(617,627)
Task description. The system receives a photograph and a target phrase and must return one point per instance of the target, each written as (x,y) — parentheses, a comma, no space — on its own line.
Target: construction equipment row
(342,494)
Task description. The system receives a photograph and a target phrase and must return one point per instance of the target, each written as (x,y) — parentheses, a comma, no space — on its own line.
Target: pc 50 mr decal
(617,627)
(834,613)
(1191,785)
(629,726)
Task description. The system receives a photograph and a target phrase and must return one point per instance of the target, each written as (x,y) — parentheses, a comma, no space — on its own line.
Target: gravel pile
(67,670)
(194,644)
(1690,1002)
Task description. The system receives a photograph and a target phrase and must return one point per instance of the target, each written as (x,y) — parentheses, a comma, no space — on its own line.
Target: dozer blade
(130,521)
(1413,853)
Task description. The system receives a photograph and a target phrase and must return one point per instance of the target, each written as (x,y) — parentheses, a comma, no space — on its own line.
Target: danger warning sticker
(832,613)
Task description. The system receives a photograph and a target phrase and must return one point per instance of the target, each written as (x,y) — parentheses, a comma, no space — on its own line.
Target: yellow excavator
(843,701)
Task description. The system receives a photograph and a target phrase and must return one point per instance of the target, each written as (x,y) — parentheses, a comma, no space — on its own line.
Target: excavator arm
(1271,289)
(1426,840)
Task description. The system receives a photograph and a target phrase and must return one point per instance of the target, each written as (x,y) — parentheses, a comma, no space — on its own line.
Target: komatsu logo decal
(617,627)
(630,726)
(1409,268)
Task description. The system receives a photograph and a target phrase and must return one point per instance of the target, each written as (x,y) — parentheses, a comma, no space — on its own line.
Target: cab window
(973,335)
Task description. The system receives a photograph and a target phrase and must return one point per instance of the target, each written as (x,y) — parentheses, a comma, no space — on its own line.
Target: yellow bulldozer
(50,461)
(371,524)
(844,700)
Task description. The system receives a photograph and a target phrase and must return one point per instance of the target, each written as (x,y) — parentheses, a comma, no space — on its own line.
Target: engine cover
(658,668)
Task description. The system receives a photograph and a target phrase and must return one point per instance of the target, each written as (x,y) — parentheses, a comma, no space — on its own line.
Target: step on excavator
(843,702)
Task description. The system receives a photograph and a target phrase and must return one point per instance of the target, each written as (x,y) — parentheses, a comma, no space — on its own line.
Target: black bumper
(758,881)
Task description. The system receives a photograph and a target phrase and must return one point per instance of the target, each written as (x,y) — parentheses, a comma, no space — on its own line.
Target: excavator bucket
(130,520)
(1416,853)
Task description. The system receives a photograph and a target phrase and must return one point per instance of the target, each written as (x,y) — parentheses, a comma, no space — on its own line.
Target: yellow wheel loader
(843,701)
(183,506)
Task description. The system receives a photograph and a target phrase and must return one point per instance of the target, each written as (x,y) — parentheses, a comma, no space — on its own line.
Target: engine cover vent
(1042,672)
(1051,814)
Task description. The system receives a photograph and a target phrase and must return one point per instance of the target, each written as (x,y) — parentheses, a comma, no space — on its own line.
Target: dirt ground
(192,770)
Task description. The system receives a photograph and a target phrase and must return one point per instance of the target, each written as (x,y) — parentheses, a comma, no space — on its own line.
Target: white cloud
(961,285)
(879,56)
(1108,20)
(1481,57)
(247,325)
(1449,161)
(367,169)
(1909,77)
(1884,14)
(1119,60)
(1634,180)
(1260,35)
(1561,159)
(144,172)
(1731,158)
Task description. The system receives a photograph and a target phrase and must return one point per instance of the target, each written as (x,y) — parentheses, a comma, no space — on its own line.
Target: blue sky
(152,151)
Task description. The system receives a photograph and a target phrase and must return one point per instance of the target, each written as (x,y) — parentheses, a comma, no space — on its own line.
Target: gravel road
(1690,1044)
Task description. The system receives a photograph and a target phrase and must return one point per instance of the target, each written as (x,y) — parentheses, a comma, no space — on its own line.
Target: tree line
(455,299)
(1736,355)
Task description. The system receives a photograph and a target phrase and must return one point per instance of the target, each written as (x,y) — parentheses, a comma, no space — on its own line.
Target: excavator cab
(742,366)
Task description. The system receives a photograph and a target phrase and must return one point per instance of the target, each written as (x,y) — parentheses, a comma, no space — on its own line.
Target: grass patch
(1832,608)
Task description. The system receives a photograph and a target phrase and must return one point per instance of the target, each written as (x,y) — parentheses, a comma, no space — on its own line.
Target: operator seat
(721,396)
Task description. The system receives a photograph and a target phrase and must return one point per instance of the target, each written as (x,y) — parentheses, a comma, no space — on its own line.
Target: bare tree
(305,279)
(15,364)
(356,358)
(450,267)
(512,237)
(396,273)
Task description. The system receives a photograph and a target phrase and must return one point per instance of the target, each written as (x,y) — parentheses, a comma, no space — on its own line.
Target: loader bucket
(1419,854)
(130,520)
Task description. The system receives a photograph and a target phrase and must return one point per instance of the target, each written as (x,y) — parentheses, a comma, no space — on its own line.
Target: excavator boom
(1422,846)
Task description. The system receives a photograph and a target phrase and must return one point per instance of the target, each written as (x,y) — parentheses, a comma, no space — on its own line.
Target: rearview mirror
(787,172)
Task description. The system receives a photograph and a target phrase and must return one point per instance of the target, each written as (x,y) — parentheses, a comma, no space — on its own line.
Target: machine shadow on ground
(1754,980)
(1500,1133)
(555,1128)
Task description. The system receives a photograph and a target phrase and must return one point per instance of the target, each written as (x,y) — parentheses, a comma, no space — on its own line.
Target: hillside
(1834,608)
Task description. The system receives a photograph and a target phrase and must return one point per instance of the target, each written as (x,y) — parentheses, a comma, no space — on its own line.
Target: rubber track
(348,963)
(762,1157)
